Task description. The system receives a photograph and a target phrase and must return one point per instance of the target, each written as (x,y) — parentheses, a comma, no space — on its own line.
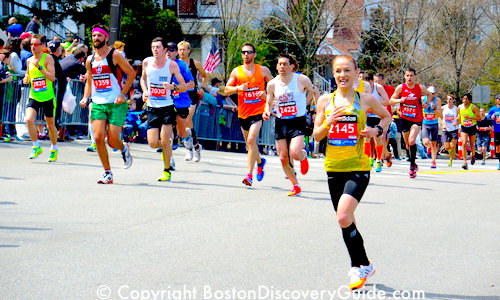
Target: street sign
(481,94)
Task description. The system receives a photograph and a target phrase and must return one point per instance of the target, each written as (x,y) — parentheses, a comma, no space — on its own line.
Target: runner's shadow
(401,186)
(10,178)
(9,246)
(166,186)
(8,203)
(24,228)
(421,294)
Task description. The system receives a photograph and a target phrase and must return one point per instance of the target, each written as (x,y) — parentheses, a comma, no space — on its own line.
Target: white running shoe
(188,143)
(197,154)
(107,178)
(127,158)
(172,163)
(189,155)
(359,276)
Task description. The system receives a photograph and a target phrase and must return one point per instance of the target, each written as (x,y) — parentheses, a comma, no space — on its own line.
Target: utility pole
(114,22)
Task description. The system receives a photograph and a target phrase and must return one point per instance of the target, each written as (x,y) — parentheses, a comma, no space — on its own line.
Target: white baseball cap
(431,89)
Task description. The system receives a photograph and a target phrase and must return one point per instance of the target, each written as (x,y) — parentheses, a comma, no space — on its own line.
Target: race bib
(102,83)
(497,119)
(483,128)
(430,117)
(468,123)
(157,92)
(409,111)
(39,84)
(287,110)
(250,95)
(345,132)
(449,118)
(175,94)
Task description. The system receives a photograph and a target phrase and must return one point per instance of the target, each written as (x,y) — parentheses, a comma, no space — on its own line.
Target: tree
(375,53)
(303,25)
(57,10)
(141,22)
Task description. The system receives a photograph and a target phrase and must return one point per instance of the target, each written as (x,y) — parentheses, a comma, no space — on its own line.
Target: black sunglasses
(247,52)
(171,49)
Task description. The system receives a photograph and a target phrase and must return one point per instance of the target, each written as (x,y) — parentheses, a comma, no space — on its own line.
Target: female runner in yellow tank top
(341,118)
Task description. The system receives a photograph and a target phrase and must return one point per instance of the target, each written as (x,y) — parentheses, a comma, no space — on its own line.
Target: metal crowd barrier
(211,123)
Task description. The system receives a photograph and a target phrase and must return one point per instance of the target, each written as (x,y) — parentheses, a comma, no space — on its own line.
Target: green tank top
(470,113)
(41,89)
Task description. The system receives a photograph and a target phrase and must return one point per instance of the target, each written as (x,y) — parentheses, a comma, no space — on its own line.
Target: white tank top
(449,116)
(378,97)
(290,101)
(158,95)
(105,85)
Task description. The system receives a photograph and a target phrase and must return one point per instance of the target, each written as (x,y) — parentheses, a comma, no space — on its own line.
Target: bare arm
(381,91)
(26,78)
(439,109)
(144,81)
(88,84)
(49,71)
(202,72)
(395,99)
(308,87)
(230,86)
(270,100)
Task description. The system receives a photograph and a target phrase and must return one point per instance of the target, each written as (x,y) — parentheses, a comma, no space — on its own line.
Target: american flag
(213,59)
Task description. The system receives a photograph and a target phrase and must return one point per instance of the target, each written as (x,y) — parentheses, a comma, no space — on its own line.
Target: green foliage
(375,44)
(141,22)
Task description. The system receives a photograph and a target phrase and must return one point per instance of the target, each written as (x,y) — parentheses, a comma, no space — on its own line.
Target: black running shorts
(351,183)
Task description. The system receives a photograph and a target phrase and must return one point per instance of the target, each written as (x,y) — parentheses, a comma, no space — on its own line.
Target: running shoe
(189,155)
(498,166)
(197,154)
(378,166)
(172,164)
(388,160)
(175,144)
(7,138)
(53,155)
(248,179)
(368,270)
(465,167)
(358,278)
(107,178)
(127,158)
(450,163)
(413,170)
(304,165)
(35,151)
(433,165)
(159,150)
(371,161)
(188,143)
(296,191)
(166,176)
(472,160)
(260,169)
(92,148)
(483,162)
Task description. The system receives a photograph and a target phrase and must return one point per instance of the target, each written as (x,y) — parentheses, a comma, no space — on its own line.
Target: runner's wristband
(326,126)
(380,130)
(123,95)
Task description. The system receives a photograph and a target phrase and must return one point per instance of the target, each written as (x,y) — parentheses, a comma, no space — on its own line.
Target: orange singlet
(248,102)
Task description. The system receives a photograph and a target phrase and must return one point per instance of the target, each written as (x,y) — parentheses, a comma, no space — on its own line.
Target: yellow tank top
(361,87)
(345,145)
(470,113)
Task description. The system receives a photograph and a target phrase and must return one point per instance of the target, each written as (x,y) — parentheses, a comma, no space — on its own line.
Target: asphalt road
(206,236)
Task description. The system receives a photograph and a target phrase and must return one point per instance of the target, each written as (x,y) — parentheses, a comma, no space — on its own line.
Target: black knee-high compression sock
(413,153)
(355,246)
(195,139)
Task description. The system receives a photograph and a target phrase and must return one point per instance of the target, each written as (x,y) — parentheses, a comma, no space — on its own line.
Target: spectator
(14,61)
(134,130)
(393,131)
(73,65)
(2,44)
(120,47)
(34,25)
(56,52)
(25,51)
(14,29)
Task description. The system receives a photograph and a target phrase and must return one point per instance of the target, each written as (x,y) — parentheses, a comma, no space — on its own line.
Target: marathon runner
(468,115)
(430,127)
(450,127)
(483,134)
(195,67)
(156,83)
(40,76)
(289,90)
(341,118)
(409,95)
(249,80)
(105,70)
